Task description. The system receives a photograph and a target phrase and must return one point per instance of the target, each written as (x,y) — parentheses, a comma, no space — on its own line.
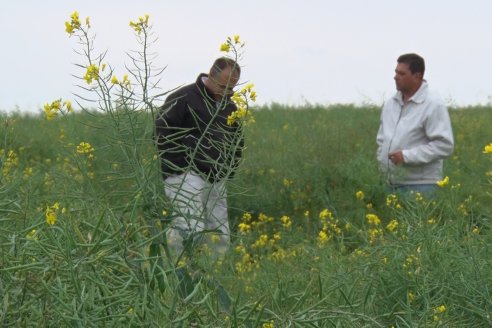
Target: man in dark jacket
(199,151)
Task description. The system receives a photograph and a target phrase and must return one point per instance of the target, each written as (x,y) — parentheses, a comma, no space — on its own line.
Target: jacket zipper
(402,107)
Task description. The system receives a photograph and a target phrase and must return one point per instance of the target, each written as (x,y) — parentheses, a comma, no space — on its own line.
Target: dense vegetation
(317,241)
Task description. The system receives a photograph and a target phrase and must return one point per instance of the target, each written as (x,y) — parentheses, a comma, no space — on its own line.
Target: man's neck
(409,94)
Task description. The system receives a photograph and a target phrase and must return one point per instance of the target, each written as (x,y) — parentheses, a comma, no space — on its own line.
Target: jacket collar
(202,88)
(418,97)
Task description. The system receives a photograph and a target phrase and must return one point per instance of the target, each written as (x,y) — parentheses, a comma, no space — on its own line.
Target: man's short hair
(223,62)
(415,63)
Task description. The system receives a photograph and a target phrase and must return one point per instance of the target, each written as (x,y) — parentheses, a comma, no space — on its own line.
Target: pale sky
(297,52)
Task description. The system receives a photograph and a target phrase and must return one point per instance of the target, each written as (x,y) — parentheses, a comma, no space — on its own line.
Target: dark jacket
(192,133)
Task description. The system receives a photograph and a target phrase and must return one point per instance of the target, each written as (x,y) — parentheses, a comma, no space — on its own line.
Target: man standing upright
(199,151)
(415,132)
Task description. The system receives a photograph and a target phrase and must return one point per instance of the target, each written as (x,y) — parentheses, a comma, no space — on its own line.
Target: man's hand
(396,157)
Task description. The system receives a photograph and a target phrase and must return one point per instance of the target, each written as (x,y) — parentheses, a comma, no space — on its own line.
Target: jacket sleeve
(380,138)
(169,134)
(439,132)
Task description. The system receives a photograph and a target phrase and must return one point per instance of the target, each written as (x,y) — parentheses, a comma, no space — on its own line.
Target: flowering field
(316,241)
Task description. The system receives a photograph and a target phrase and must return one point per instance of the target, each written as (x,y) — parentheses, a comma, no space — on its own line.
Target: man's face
(224,83)
(404,79)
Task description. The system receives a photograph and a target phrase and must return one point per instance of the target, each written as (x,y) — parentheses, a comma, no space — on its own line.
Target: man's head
(223,77)
(409,73)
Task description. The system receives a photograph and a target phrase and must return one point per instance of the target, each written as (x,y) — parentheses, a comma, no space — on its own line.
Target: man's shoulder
(433,98)
(183,91)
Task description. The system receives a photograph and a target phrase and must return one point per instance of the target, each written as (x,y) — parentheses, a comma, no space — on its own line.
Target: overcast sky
(297,52)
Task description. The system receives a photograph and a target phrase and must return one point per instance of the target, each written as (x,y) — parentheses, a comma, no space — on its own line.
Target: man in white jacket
(415,132)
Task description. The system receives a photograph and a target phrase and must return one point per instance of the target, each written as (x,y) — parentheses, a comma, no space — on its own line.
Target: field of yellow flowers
(316,240)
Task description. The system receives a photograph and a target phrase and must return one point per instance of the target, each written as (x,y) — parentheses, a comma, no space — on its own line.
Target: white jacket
(422,130)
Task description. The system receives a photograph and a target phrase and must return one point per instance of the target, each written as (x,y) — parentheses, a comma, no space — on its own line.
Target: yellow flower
(68,105)
(268,325)
(411,296)
(244,227)
(92,73)
(224,47)
(431,221)
(215,238)
(323,238)
(374,234)
(325,214)
(49,112)
(247,217)
(252,95)
(125,80)
(287,182)
(74,23)
(488,149)
(87,21)
(52,110)
(31,234)
(440,309)
(114,80)
(51,213)
(392,226)
(143,22)
(84,148)
(373,219)
(68,28)
(236,39)
(443,182)
(359,195)
(260,242)
(286,221)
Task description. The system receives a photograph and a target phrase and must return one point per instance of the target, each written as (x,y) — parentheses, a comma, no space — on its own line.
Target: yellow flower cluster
(374,232)
(51,110)
(411,263)
(10,161)
(488,149)
(125,82)
(247,263)
(141,24)
(92,73)
(286,221)
(85,148)
(287,182)
(392,226)
(242,100)
(31,235)
(392,201)
(330,227)
(444,182)
(261,242)
(373,219)
(51,213)
(411,296)
(231,43)
(74,23)
(359,195)
(438,312)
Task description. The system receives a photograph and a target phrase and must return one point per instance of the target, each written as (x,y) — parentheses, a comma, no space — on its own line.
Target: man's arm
(439,132)
(169,133)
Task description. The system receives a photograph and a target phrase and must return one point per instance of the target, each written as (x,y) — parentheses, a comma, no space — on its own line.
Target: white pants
(197,205)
